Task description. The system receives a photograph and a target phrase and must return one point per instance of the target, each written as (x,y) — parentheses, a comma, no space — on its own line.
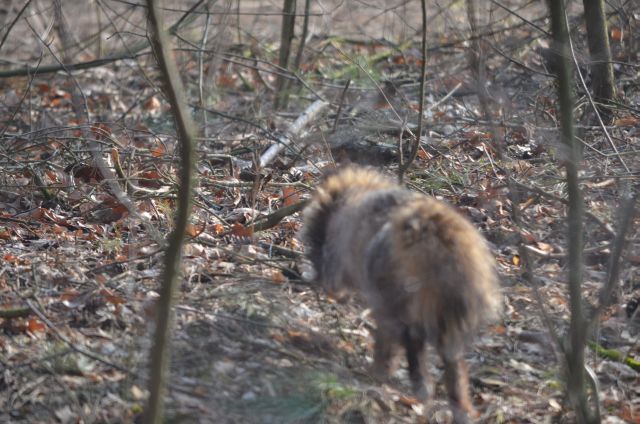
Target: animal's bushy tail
(451,264)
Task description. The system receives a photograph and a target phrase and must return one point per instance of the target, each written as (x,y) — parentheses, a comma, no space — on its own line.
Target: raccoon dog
(423,269)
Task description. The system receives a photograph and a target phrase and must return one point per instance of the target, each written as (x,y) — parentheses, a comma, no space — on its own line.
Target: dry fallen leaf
(278,277)
(498,329)
(627,121)
(158,151)
(194,230)
(137,393)
(112,297)
(290,196)
(616,34)
(218,229)
(240,230)
(34,326)
(408,400)
(152,104)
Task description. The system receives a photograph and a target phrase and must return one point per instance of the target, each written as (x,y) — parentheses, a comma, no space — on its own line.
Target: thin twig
(13,22)
(592,103)
(341,104)
(564,201)
(36,310)
(274,218)
(423,74)
(626,216)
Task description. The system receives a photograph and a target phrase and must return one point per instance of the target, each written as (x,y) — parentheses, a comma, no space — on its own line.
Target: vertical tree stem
(404,165)
(575,350)
(174,92)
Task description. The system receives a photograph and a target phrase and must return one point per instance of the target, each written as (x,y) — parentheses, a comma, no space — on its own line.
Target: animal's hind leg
(456,379)
(414,343)
(384,349)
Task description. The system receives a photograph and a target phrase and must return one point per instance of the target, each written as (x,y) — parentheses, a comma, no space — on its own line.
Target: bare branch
(175,92)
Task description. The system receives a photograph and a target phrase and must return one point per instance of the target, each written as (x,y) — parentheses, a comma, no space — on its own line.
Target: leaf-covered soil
(254,341)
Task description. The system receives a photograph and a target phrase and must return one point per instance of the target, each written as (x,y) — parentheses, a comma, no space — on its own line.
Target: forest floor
(254,341)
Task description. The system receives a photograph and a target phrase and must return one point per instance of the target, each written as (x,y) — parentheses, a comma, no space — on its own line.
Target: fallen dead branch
(312,112)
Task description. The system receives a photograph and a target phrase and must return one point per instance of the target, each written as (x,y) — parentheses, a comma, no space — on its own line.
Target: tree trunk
(286,36)
(574,349)
(600,52)
(174,91)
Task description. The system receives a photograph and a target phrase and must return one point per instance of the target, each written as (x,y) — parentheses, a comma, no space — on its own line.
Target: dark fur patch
(316,235)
